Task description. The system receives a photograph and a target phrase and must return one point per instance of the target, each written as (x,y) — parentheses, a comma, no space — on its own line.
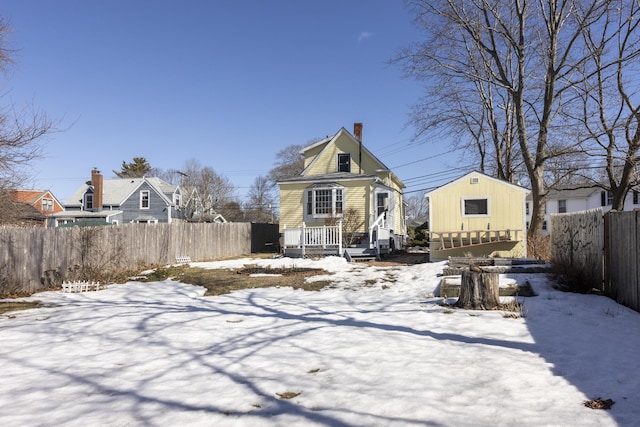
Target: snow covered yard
(377,349)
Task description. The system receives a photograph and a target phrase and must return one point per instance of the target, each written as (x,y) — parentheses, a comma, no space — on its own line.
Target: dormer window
(344,162)
(88,201)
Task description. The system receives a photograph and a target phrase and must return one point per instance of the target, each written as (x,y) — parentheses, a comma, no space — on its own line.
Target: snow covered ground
(375,350)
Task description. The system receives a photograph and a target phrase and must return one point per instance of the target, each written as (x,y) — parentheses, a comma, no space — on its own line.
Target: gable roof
(332,140)
(117,190)
(468,175)
(31,196)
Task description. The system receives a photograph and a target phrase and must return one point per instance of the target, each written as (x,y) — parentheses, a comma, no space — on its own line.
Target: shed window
(635,197)
(344,162)
(474,207)
(144,199)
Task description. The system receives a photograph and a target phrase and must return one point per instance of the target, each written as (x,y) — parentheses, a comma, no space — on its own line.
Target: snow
(374,349)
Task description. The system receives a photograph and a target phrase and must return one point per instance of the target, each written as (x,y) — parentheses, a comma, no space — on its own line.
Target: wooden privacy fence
(35,258)
(576,246)
(622,249)
(604,250)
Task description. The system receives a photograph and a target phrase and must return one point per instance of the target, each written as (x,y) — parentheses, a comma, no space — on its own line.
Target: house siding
(292,198)
(328,161)
(291,201)
(357,198)
(312,153)
(157,205)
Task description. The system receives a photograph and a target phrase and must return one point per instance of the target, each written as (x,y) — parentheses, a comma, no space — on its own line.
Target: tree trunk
(479,291)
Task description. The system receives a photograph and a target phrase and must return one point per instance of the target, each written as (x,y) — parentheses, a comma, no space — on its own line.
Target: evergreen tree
(137,169)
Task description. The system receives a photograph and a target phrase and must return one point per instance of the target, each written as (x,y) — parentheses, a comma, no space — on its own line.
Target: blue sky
(229,83)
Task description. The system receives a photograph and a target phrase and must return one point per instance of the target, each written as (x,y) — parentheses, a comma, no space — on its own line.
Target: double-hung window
(344,162)
(562,206)
(324,202)
(88,201)
(144,199)
(47,204)
(606,198)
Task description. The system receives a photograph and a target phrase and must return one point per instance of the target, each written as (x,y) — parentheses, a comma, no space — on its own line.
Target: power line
(421,160)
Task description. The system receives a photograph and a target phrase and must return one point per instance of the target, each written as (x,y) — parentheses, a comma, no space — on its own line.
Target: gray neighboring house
(122,200)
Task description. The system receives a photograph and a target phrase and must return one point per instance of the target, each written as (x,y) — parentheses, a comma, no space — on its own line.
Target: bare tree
(610,111)
(289,163)
(21,128)
(417,207)
(520,58)
(210,190)
(260,205)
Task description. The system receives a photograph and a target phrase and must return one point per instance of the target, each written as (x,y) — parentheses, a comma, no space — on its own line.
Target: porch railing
(324,237)
(379,233)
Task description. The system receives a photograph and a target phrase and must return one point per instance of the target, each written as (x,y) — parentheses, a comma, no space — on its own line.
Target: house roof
(116,191)
(105,213)
(573,193)
(328,177)
(328,141)
(31,196)
(468,175)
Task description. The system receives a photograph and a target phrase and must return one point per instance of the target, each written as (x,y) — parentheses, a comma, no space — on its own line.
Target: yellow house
(477,215)
(344,197)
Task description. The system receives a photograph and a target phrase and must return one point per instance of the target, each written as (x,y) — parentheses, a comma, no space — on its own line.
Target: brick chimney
(357,131)
(96,182)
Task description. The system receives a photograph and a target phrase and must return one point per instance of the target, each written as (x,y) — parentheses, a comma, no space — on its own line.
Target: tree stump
(479,291)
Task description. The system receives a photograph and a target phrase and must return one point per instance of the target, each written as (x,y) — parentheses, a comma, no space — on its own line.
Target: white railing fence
(379,233)
(327,236)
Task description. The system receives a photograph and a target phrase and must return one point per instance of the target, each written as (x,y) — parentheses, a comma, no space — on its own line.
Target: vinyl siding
(292,204)
(328,160)
(157,205)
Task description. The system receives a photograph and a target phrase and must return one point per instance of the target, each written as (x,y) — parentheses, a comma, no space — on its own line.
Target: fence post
(303,238)
(340,238)
(324,237)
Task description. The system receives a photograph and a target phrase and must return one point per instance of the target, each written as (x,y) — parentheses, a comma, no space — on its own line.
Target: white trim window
(144,199)
(475,206)
(47,205)
(344,162)
(562,206)
(324,202)
(88,201)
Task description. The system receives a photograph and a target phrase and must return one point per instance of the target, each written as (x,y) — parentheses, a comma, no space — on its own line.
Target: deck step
(360,254)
